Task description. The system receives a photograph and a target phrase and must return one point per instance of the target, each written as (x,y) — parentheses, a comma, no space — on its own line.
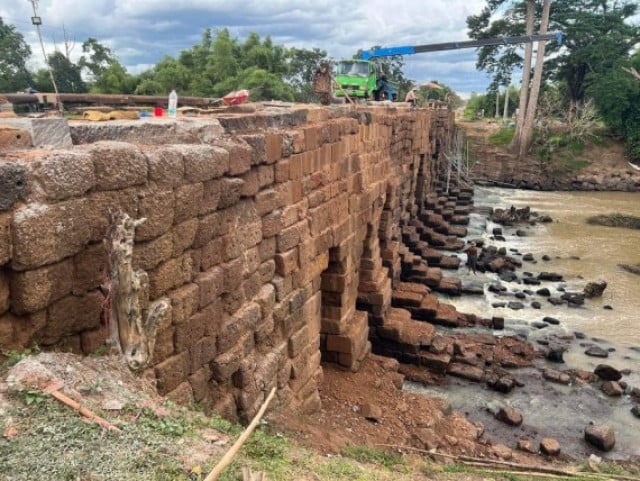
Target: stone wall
(274,235)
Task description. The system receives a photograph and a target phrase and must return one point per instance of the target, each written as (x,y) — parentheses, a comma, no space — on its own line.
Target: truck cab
(362,79)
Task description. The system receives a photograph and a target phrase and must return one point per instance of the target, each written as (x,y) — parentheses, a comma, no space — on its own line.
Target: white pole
(37,21)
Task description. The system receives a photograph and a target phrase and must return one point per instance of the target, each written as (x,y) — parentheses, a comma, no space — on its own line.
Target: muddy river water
(580,253)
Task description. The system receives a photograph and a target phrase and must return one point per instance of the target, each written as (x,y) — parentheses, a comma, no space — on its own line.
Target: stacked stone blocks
(276,246)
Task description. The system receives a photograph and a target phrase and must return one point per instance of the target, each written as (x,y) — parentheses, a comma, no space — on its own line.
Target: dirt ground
(609,155)
(403,421)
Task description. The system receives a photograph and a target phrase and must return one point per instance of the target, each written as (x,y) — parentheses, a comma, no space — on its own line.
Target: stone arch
(344,330)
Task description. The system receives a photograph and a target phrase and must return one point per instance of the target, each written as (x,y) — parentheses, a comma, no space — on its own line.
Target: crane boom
(437,47)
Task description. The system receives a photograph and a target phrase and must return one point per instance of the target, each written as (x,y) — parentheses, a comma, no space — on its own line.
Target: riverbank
(607,326)
(593,166)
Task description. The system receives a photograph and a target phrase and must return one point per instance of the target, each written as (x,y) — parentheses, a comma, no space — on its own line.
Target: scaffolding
(457,155)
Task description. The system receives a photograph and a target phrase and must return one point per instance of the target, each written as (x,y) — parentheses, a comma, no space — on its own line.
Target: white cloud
(141,32)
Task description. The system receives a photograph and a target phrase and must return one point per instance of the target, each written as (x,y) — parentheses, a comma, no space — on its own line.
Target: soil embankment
(595,167)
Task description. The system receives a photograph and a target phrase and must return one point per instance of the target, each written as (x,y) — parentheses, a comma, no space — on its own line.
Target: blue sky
(141,32)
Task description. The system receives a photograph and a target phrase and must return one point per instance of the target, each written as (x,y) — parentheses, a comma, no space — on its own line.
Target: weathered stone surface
(5,293)
(594,289)
(13,138)
(270,245)
(556,376)
(35,289)
(612,388)
(527,445)
(45,234)
(46,132)
(152,131)
(596,351)
(550,446)
(509,416)
(371,412)
(465,371)
(118,165)
(63,174)
(607,372)
(601,436)
(13,184)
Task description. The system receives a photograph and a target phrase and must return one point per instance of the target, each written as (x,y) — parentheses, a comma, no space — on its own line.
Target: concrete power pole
(37,21)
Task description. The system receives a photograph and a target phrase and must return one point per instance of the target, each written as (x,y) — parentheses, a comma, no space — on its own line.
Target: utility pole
(37,21)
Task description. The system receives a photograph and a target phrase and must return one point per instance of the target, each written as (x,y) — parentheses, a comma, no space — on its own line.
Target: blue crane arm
(437,47)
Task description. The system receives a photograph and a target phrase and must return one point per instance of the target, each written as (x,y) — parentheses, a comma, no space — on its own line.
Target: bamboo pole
(229,455)
(64,399)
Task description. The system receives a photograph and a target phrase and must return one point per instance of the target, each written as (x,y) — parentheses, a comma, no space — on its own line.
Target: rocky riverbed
(558,395)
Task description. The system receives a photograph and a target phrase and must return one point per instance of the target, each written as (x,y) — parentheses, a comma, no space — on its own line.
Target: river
(580,253)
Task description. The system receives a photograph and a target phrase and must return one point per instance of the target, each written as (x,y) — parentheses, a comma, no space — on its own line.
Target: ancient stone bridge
(274,235)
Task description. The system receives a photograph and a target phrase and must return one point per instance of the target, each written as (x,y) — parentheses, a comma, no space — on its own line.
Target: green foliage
(270,452)
(617,96)
(366,454)
(503,137)
(33,397)
(66,74)
(598,38)
(14,357)
(14,53)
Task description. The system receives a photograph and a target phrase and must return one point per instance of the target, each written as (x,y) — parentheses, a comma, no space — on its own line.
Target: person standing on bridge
(411,97)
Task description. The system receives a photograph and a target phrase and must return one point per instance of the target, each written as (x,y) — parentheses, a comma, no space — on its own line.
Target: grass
(161,441)
(503,137)
(615,220)
(571,163)
(366,454)
(54,443)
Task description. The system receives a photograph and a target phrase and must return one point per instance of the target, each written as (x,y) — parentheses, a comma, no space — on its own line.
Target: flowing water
(580,253)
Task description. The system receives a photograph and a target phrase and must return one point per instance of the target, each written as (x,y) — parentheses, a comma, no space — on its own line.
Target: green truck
(361,79)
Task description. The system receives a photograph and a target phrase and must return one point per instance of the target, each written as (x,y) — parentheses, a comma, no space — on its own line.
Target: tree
(617,98)
(598,35)
(107,75)
(302,65)
(526,77)
(523,138)
(65,72)
(14,53)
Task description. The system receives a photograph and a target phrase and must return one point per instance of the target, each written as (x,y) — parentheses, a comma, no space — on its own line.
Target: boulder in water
(594,289)
(601,436)
(596,351)
(607,373)
(634,269)
(573,298)
(550,447)
(509,416)
(612,388)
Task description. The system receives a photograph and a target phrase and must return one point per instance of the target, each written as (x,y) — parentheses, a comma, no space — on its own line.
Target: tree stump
(133,322)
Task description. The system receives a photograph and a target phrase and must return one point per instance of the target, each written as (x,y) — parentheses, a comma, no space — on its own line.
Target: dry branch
(632,71)
(229,455)
(90,415)
(133,325)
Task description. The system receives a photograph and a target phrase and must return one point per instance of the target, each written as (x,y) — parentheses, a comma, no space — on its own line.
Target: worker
(411,97)
(472,257)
